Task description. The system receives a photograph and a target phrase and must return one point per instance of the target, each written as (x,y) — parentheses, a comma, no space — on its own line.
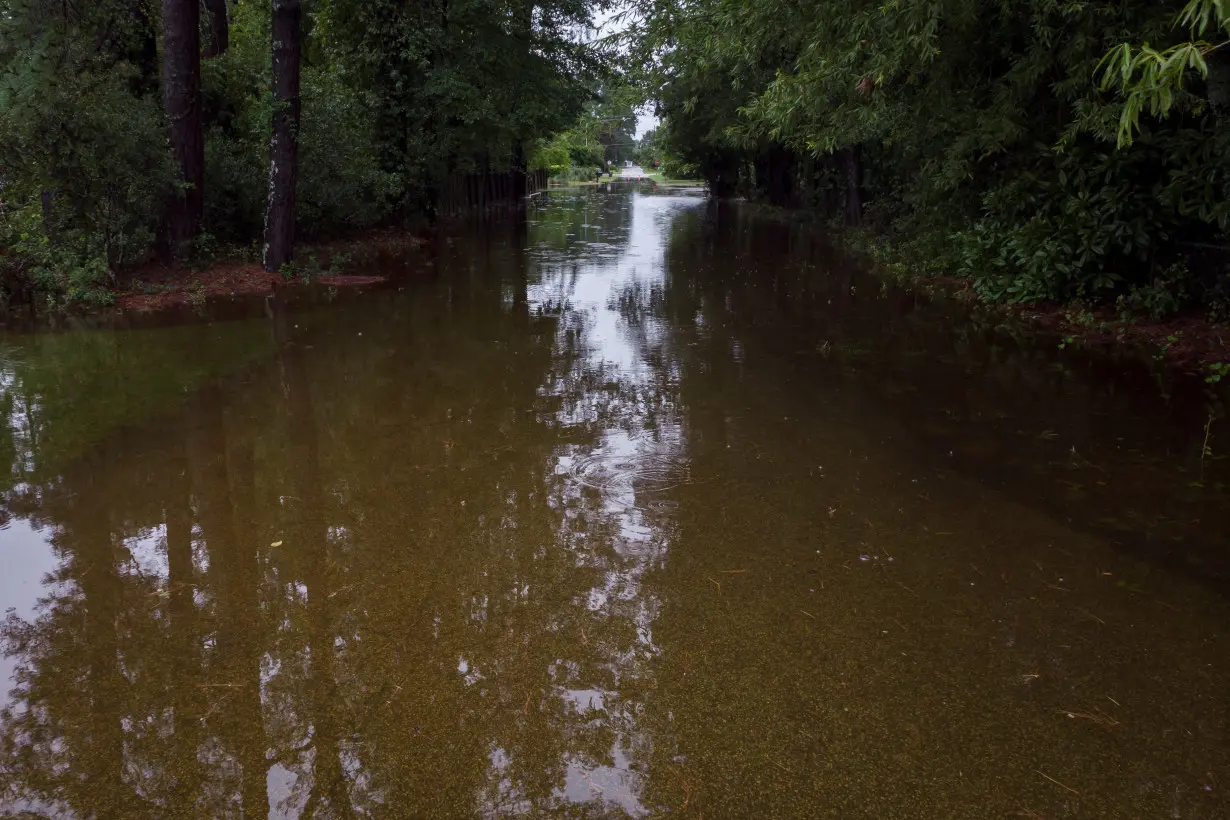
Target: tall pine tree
(181,100)
(284,145)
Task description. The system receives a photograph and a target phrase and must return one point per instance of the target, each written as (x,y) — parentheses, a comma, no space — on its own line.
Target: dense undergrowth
(395,98)
(992,141)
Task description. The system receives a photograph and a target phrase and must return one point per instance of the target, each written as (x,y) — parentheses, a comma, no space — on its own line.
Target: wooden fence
(467,193)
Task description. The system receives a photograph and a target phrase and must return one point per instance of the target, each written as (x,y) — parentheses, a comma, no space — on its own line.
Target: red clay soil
(156,286)
(1187,342)
(349,281)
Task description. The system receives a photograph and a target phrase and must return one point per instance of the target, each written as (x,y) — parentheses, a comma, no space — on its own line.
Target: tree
(974,134)
(102,156)
(284,145)
(181,99)
(1153,81)
(218,27)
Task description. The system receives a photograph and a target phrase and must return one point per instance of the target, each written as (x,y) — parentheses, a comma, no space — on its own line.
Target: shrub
(85,171)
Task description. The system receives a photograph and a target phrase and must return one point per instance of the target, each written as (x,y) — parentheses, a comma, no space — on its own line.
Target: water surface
(648,507)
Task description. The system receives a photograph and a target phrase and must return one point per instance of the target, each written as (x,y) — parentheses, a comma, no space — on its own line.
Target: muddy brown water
(648,506)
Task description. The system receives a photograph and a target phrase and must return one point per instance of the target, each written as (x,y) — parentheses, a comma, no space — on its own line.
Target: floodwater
(648,507)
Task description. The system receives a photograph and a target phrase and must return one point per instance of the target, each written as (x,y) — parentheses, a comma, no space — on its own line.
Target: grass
(661,179)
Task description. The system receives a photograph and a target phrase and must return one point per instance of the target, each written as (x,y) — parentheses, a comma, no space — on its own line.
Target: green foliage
(571,153)
(982,142)
(461,86)
(83,164)
(1151,80)
(673,168)
(553,155)
(342,185)
(601,136)
(1165,296)
(47,271)
(395,96)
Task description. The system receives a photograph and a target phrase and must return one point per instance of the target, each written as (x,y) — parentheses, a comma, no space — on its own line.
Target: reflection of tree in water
(363,570)
(495,558)
(456,564)
(119,672)
(957,385)
(627,477)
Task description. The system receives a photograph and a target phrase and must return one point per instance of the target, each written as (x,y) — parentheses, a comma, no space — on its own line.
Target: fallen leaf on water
(276,544)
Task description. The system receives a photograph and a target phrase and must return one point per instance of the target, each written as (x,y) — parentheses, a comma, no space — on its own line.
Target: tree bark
(218,26)
(1218,84)
(181,100)
(145,55)
(520,183)
(284,146)
(854,184)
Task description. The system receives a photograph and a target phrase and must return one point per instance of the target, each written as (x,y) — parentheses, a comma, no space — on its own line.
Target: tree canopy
(1045,149)
(982,138)
(395,97)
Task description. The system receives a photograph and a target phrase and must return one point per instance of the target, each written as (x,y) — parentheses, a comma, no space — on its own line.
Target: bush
(31,266)
(85,171)
(342,185)
(1091,224)
(673,168)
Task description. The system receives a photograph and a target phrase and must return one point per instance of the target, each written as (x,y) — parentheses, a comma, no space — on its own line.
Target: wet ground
(648,507)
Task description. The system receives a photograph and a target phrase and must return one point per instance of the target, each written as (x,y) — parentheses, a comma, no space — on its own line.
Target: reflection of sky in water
(631,465)
(511,582)
(612,261)
(26,562)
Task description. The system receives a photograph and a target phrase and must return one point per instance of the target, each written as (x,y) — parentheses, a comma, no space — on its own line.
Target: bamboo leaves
(1151,81)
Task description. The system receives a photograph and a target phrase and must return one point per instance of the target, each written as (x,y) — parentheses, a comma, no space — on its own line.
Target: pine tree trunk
(181,100)
(217,25)
(284,146)
(1218,84)
(854,184)
(520,183)
(145,54)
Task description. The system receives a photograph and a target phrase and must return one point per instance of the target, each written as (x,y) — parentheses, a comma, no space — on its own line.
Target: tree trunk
(520,183)
(181,100)
(217,25)
(145,55)
(854,184)
(284,146)
(1218,84)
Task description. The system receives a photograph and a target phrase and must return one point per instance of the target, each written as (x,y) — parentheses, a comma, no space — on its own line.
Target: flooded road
(648,507)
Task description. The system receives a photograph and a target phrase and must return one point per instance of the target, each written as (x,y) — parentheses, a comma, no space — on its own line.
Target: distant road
(632,172)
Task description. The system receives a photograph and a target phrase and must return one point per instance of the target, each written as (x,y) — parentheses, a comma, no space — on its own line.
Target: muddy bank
(1188,341)
(371,259)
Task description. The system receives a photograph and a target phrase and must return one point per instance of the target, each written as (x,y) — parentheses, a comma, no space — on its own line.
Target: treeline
(127,129)
(602,137)
(1041,148)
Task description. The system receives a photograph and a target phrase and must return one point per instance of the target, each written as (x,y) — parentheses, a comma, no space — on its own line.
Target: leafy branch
(1152,81)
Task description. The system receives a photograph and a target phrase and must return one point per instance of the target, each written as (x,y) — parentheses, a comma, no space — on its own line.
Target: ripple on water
(617,475)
